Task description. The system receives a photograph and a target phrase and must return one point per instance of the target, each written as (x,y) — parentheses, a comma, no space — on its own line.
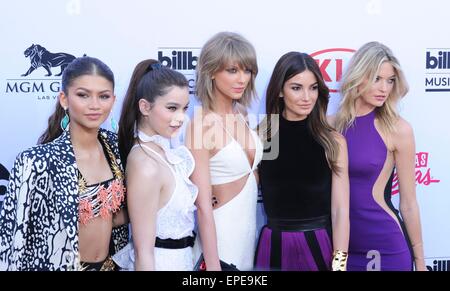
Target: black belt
(299,224)
(169,243)
(291,225)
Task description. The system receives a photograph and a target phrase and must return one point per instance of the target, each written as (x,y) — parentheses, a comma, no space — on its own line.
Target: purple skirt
(294,251)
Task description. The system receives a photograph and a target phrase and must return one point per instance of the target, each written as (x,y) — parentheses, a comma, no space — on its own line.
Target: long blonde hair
(222,49)
(365,65)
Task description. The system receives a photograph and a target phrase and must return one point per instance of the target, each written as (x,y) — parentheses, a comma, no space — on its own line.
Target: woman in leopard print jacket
(64,209)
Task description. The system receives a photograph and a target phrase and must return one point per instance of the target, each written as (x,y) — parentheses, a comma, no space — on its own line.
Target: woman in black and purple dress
(379,141)
(304,177)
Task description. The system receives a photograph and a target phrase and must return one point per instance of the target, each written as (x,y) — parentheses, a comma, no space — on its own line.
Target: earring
(114,124)
(65,121)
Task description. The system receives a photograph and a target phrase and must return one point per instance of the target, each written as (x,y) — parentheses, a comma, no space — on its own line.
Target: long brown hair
(289,65)
(77,68)
(148,81)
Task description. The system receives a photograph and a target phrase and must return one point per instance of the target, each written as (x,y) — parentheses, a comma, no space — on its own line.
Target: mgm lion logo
(41,57)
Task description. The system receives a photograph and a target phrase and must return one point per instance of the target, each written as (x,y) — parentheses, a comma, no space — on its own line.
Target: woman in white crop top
(226,153)
(160,195)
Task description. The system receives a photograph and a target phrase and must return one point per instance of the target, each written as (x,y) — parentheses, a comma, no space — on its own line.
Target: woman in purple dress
(379,142)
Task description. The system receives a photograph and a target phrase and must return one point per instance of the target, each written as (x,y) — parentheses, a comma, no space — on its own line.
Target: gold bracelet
(339,262)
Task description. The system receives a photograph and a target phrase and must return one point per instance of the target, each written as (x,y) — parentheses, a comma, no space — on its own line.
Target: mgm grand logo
(44,87)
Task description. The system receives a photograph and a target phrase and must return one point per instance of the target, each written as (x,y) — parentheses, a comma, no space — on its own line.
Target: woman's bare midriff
(224,193)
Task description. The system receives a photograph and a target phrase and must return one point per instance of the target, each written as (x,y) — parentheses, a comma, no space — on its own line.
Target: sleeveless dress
(175,220)
(236,220)
(296,191)
(378,238)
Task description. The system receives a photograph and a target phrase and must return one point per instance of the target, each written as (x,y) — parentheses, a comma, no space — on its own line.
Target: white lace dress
(176,219)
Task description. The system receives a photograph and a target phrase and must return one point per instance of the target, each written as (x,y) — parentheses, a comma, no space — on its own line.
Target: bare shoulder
(403,130)
(198,134)
(331,120)
(340,139)
(201,120)
(403,135)
(142,164)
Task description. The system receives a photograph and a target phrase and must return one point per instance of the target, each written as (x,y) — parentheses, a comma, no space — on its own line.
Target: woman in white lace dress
(160,195)
(226,152)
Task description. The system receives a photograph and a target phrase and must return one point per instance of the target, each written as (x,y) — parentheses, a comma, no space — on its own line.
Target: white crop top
(231,163)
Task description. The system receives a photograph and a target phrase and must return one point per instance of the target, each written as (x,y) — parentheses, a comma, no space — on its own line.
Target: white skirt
(236,228)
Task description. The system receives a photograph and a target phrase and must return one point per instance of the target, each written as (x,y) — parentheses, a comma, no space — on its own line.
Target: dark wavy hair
(288,66)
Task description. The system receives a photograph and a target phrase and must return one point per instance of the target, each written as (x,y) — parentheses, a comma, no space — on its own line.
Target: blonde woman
(379,142)
(226,152)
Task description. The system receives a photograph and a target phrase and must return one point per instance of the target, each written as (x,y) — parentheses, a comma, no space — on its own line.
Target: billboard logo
(439,61)
(437,70)
(423,173)
(177,59)
(332,63)
(439,265)
(183,60)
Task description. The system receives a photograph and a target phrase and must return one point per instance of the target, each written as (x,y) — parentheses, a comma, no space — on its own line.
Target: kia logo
(332,63)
